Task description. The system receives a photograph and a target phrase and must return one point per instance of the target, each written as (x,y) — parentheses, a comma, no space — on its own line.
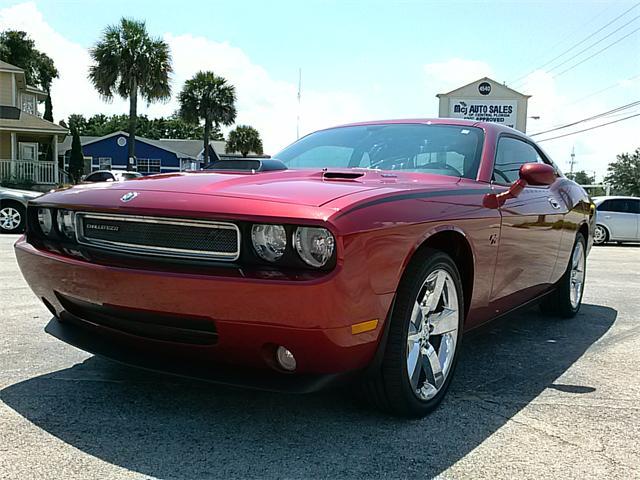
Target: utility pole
(299,94)
(572,161)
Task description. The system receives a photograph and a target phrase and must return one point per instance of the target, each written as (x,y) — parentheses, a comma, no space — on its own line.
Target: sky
(365,60)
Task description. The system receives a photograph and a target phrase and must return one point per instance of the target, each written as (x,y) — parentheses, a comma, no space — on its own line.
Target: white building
(486,100)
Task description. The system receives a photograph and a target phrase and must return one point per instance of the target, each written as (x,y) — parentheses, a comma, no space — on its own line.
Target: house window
(104,163)
(149,165)
(29,103)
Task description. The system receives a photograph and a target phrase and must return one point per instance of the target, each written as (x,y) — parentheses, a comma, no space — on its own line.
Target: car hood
(301,187)
(26,194)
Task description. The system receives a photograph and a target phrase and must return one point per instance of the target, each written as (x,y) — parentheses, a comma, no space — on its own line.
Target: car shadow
(174,428)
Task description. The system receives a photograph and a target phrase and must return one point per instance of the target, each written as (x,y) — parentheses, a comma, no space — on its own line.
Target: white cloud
(594,149)
(442,77)
(269,105)
(72,92)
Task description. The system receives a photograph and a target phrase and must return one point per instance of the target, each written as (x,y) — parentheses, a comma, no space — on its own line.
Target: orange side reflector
(364,326)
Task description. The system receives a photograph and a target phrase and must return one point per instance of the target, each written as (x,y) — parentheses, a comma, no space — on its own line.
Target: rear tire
(600,236)
(566,298)
(425,333)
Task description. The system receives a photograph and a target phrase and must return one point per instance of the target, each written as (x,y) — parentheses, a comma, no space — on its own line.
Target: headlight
(269,241)
(314,245)
(45,219)
(66,224)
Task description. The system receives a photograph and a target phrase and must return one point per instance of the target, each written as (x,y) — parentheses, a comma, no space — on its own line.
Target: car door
(531,227)
(635,205)
(620,216)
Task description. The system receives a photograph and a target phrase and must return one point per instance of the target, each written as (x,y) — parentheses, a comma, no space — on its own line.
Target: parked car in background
(110,176)
(358,253)
(13,208)
(617,219)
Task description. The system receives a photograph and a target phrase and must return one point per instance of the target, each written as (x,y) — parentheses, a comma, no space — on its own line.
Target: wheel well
(584,230)
(457,247)
(14,203)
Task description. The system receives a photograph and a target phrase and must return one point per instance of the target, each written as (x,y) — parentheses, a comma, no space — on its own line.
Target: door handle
(554,203)
(607,216)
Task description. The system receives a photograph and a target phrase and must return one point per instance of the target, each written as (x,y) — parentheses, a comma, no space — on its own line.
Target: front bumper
(312,319)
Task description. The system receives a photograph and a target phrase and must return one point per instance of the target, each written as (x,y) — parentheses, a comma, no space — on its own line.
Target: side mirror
(537,174)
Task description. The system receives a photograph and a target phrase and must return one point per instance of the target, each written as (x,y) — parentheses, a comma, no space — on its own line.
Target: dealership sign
(503,112)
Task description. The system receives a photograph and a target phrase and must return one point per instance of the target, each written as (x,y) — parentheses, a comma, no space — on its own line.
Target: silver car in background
(13,209)
(617,219)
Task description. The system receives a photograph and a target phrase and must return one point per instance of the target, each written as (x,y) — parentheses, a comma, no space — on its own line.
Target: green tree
(18,49)
(48,109)
(624,174)
(582,178)
(128,63)
(163,127)
(76,159)
(208,97)
(77,123)
(244,139)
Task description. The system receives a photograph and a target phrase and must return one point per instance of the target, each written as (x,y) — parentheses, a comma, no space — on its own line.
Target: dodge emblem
(127,197)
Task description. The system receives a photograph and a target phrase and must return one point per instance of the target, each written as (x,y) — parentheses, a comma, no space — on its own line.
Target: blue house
(110,152)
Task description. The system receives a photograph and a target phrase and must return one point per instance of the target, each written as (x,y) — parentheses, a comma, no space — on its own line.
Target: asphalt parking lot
(532,398)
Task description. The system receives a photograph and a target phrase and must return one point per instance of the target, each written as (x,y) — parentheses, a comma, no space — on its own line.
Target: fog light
(285,359)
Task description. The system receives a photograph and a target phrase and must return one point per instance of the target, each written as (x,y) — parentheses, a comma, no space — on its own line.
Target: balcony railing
(28,170)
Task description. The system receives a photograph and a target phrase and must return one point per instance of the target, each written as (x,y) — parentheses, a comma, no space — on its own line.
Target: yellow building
(25,137)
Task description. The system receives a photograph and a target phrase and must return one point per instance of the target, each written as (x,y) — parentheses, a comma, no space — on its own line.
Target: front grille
(142,323)
(160,236)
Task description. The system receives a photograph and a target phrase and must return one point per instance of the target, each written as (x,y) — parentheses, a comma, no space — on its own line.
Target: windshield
(441,149)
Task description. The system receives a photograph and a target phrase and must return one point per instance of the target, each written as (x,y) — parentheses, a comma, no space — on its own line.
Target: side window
(99,177)
(635,206)
(619,205)
(604,206)
(511,154)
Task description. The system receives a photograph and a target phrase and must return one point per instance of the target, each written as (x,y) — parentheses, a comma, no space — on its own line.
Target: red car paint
(515,252)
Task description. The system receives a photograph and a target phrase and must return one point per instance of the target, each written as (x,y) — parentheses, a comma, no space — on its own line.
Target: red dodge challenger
(361,252)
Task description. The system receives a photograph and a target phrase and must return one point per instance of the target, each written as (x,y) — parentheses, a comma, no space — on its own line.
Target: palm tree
(208,97)
(128,62)
(244,139)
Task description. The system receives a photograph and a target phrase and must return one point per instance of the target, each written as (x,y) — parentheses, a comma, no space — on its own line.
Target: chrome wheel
(577,275)
(433,334)
(599,235)
(10,219)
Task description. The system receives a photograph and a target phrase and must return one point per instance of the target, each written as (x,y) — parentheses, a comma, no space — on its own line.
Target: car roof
(437,121)
(615,197)
(115,172)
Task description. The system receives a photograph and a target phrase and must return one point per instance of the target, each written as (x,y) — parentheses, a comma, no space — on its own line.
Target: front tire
(566,299)
(12,218)
(425,333)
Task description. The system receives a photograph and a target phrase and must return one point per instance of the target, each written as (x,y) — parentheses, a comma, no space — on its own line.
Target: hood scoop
(342,175)
(250,165)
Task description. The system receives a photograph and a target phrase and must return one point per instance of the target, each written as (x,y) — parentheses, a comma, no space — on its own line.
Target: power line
(577,44)
(593,44)
(598,92)
(593,117)
(597,53)
(590,128)
(570,37)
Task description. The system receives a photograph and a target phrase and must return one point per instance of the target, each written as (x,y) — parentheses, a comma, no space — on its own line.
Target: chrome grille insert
(171,237)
